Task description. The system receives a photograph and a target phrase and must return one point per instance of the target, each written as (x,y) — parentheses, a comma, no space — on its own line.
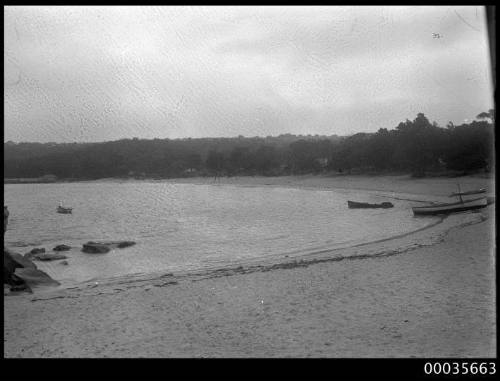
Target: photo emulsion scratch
(250,182)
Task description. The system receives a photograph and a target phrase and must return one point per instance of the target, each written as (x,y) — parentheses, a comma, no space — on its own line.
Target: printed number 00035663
(462,368)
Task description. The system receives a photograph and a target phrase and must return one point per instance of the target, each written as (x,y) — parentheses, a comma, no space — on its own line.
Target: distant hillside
(140,157)
(415,147)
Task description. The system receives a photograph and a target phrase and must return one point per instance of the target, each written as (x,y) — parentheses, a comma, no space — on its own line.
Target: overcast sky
(106,73)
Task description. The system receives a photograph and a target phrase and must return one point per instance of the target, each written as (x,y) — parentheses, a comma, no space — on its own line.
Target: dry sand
(431,301)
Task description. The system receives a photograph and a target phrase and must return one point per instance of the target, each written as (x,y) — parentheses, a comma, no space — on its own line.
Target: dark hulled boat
(366,205)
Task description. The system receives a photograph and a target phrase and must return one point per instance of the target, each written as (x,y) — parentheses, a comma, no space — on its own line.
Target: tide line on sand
(438,301)
(426,236)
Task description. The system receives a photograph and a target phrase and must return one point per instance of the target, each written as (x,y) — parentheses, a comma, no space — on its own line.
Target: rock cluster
(95,248)
(49,257)
(104,247)
(39,253)
(62,248)
(37,250)
(20,272)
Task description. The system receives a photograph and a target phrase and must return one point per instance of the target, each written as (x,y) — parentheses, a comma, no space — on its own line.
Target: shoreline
(384,187)
(379,182)
(430,186)
(385,247)
(131,294)
(263,264)
(330,175)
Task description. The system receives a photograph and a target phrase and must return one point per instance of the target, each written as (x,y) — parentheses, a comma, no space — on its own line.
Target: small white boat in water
(64,210)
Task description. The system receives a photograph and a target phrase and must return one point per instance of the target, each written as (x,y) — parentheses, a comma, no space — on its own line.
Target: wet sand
(437,187)
(435,300)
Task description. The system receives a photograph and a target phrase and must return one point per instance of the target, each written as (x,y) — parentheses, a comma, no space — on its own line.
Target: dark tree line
(419,146)
(414,146)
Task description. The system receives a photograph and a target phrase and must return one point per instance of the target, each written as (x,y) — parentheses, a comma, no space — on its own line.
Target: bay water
(190,226)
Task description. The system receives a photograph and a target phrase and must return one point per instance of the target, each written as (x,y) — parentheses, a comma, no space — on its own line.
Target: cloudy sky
(106,73)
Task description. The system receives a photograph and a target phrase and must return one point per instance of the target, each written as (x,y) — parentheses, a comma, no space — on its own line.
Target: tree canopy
(415,146)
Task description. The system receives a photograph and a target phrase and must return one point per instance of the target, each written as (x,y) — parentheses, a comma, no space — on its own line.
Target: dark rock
(20,260)
(20,272)
(37,250)
(118,244)
(12,262)
(49,257)
(95,248)
(34,277)
(64,263)
(20,287)
(123,244)
(28,256)
(105,246)
(9,267)
(62,248)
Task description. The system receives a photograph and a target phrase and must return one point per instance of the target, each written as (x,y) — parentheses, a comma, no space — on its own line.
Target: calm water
(184,226)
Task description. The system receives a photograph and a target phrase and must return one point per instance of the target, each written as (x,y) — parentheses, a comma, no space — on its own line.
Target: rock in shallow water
(10,264)
(18,259)
(61,248)
(95,248)
(19,271)
(37,250)
(22,274)
(34,277)
(105,246)
(49,257)
(123,244)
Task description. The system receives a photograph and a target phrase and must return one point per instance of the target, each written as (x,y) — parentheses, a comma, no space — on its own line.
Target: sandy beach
(431,300)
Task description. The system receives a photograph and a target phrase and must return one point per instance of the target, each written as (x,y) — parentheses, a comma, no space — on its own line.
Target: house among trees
(48,178)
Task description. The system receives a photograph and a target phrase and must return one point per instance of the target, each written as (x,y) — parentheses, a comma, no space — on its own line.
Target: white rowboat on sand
(451,207)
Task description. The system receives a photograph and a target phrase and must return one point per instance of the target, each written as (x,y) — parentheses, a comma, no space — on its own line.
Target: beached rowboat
(451,207)
(476,191)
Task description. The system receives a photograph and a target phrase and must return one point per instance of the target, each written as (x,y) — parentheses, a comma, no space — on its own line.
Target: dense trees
(419,146)
(470,146)
(415,146)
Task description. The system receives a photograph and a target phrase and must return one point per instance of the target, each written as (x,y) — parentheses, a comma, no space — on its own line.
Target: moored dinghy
(64,210)
(366,205)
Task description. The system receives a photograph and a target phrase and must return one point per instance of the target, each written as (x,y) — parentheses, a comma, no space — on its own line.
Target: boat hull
(450,208)
(477,191)
(365,205)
